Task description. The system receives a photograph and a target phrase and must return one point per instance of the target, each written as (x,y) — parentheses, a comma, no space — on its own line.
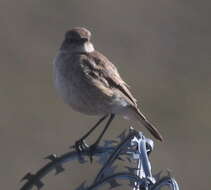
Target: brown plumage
(91,84)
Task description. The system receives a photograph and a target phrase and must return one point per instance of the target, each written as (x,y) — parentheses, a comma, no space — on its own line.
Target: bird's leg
(80,145)
(94,146)
(104,130)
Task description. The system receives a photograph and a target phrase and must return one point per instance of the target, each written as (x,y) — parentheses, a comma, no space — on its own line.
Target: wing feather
(101,69)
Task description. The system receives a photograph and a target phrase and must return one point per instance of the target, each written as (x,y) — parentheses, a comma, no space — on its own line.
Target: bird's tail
(152,129)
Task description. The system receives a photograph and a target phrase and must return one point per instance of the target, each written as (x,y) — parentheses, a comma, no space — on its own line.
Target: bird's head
(77,40)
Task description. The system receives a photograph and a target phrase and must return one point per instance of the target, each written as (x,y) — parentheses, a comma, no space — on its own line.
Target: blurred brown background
(162,48)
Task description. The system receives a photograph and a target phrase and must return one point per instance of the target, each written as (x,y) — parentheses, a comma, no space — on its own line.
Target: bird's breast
(74,88)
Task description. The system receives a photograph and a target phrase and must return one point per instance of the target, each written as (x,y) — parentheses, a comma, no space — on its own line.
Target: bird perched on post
(91,84)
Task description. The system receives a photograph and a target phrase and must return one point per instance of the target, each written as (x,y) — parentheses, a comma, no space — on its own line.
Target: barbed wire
(132,146)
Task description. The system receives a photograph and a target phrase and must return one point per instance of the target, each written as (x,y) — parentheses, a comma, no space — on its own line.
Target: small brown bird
(91,84)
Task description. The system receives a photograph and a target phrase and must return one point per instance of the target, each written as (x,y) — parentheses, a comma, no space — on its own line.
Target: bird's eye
(84,39)
(73,40)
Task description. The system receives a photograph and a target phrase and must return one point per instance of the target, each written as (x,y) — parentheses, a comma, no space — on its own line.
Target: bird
(91,84)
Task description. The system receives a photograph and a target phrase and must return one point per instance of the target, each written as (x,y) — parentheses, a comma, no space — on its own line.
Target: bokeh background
(162,48)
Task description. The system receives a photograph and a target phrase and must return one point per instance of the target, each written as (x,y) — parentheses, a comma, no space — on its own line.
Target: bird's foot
(80,146)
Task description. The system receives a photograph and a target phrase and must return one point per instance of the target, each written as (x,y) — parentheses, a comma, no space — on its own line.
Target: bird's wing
(99,68)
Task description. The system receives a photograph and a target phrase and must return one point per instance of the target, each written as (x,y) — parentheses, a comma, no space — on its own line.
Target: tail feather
(152,129)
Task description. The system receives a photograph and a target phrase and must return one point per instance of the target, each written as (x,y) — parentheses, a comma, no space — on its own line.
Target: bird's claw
(80,146)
